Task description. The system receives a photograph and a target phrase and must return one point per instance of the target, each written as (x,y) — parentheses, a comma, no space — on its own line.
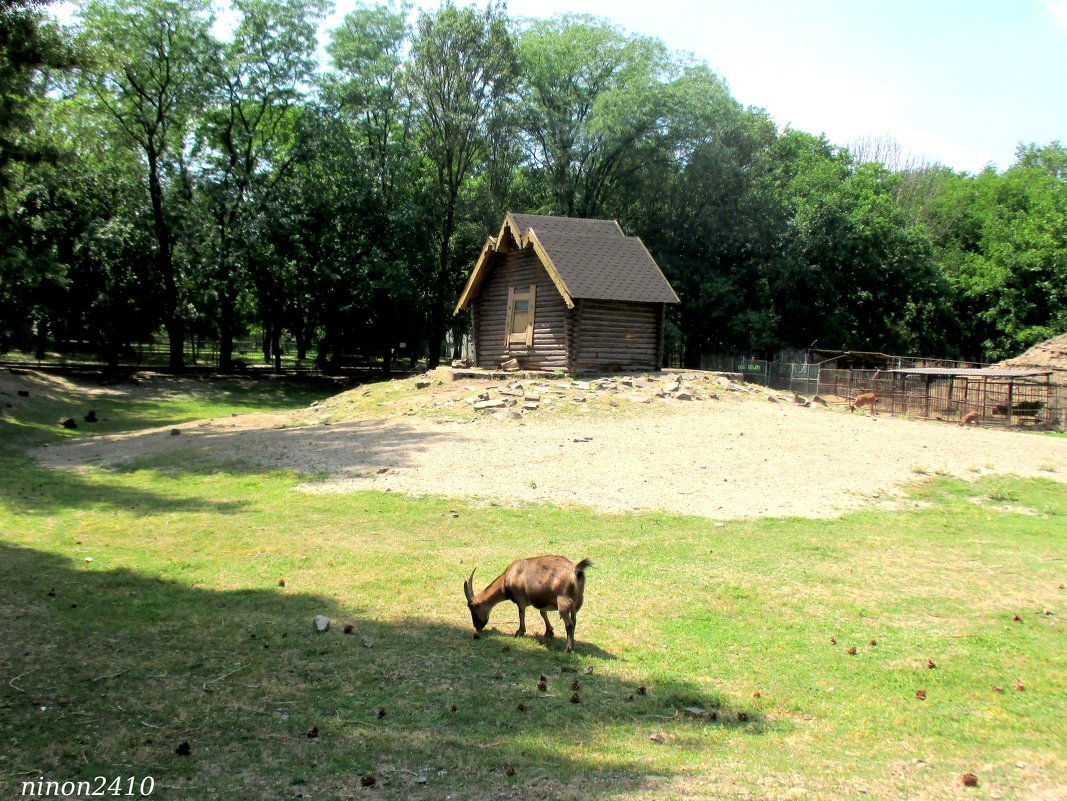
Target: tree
(462,65)
(33,52)
(589,95)
(258,79)
(148,77)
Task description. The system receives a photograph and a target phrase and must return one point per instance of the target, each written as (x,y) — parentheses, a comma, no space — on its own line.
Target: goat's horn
(468,587)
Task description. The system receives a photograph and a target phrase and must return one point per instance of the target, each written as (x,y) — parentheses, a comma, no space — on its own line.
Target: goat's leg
(522,621)
(548,626)
(566,613)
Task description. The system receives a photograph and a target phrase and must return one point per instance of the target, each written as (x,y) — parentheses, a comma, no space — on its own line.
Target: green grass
(178,631)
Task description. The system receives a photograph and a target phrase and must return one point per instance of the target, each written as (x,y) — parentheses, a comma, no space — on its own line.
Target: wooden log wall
(520,268)
(614,335)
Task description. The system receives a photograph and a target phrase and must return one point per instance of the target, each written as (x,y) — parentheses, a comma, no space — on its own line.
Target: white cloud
(1058,10)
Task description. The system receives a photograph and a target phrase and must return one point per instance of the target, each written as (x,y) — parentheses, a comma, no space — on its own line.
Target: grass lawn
(143,609)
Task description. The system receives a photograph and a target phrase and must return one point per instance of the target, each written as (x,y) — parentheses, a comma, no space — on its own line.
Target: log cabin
(566,294)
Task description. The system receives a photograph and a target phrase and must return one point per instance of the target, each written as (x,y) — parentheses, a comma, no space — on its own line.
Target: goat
(543,582)
(866,399)
(970,417)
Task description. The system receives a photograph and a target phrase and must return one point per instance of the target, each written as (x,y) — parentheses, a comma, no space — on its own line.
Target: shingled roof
(585,259)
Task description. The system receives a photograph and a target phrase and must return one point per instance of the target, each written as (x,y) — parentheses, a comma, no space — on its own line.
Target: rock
(672,386)
(175,432)
(578,399)
(682,395)
(637,397)
(510,364)
(67,422)
(490,404)
(820,400)
(313,404)
(322,623)
(531,405)
(694,711)
(658,738)
(734,387)
(422,384)
(514,392)
(800,400)
(91,417)
(772,399)
(460,363)
(369,643)
(513,414)
(533,396)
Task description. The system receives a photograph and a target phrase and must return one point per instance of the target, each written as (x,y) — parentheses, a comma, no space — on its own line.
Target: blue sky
(960,82)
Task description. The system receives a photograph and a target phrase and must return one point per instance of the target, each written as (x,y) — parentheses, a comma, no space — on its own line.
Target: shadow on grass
(109,672)
(28,488)
(358,448)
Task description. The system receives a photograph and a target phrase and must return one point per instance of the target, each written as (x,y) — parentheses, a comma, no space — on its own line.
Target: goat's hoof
(549,634)
(568,649)
(520,633)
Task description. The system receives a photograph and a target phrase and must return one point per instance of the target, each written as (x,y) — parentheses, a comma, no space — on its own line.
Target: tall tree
(589,95)
(33,52)
(462,65)
(258,78)
(149,77)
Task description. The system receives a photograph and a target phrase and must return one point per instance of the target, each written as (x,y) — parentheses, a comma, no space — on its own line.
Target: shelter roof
(585,258)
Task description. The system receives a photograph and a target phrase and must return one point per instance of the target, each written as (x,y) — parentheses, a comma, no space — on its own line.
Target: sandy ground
(725,459)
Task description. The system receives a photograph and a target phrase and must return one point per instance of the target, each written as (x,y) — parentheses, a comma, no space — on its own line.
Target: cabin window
(520,320)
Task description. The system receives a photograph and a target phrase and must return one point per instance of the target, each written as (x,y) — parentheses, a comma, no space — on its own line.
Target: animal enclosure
(1000,397)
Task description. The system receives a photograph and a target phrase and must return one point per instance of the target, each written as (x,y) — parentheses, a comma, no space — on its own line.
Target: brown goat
(970,417)
(543,582)
(866,399)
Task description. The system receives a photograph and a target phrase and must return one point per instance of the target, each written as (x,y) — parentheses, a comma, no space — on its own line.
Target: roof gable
(585,258)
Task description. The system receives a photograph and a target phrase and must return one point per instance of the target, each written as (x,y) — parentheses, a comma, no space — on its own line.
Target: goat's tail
(579,569)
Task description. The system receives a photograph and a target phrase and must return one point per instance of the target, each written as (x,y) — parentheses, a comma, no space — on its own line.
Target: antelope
(543,582)
(970,417)
(866,399)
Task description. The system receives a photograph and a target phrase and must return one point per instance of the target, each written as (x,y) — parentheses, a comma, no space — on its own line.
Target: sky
(960,82)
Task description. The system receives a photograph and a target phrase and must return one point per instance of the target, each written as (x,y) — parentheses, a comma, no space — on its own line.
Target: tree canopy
(165,175)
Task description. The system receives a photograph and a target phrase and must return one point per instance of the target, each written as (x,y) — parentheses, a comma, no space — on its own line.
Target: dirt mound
(1048,355)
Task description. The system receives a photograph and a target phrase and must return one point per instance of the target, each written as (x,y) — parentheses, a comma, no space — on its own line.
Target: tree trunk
(276,347)
(165,267)
(387,361)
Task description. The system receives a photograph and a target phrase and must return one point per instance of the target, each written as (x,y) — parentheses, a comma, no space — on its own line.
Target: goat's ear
(468,587)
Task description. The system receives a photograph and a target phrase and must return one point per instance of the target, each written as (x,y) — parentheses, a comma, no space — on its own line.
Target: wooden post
(1011,399)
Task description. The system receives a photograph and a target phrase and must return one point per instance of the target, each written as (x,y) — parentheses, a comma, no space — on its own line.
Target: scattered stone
(587,670)
(672,386)
(67,422)
(313,404)
(490,404)
(91,417)
(516,391)
(734,387)
(510,364)
(772,399)
(578,399)
(422,384)
(420,780)
(175,432)
(460,364)
(368,642)
(637,397)
(582,385)
(969,780)
(382,470)
(322,623)
(695,711)
(658,738)
(682,395)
